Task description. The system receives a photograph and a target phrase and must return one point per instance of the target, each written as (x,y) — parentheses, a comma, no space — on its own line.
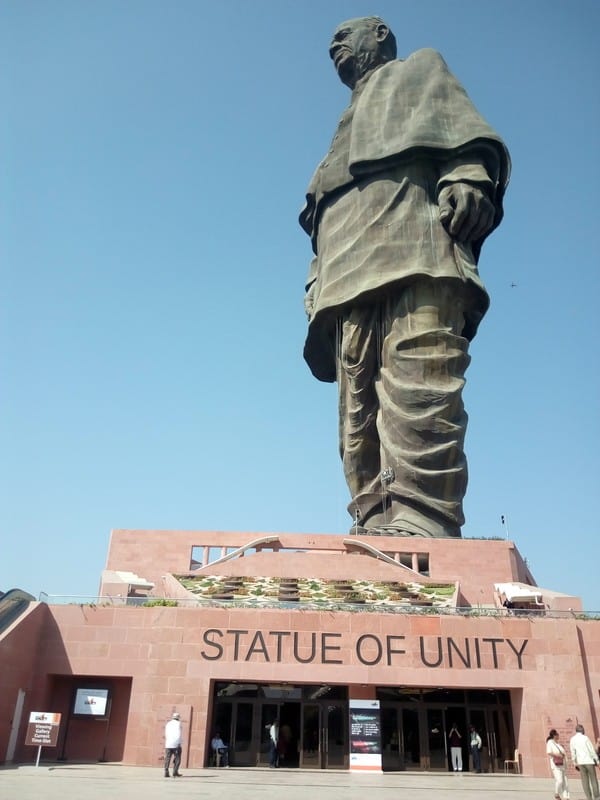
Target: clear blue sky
(154,157)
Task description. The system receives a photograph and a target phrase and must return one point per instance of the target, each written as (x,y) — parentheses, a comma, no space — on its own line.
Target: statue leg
(358,349)
(421,419)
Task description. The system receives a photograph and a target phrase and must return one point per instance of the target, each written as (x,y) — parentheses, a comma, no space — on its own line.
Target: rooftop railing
(369,608)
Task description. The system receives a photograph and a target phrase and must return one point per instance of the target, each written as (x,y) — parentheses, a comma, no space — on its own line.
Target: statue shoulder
(425,60)
(420,66)
(424,56)
(427,54)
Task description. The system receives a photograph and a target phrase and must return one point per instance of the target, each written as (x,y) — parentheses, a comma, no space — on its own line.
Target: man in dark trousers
(475,748)
(274,744)
(173,745)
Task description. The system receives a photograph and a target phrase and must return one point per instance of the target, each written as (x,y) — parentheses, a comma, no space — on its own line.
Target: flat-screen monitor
(90,702)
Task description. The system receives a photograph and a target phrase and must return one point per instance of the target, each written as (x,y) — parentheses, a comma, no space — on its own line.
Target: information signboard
(42,729)
(365,735)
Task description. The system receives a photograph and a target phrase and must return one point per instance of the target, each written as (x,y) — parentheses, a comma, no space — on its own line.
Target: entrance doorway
(313,723)
(415,724)
(400,744)
(493,725)
(324,735)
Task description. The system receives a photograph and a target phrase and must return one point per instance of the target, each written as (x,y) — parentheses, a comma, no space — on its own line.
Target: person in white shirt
(585,759)
(475,748)
(173,745)
(274,742)
(558,765)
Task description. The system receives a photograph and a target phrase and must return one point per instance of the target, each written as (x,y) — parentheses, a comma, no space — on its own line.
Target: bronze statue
(397,213)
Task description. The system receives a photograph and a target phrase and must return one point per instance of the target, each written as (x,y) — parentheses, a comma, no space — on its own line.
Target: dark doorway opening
(313,723)
(416,723)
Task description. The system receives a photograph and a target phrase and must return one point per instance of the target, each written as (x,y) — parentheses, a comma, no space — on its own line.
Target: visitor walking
(558,765)
(585,758)
(173,745)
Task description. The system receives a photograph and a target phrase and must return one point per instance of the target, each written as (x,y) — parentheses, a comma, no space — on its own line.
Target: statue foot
(383,530)
(403,519)
(405,528)
(358,530)
(391,530)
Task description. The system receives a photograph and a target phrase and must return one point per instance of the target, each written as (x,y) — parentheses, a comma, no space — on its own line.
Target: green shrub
(159,601)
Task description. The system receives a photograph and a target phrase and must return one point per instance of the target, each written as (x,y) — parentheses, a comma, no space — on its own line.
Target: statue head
(359,45)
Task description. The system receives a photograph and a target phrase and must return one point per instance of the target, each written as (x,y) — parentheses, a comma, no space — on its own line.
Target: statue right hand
(309,301)
(466,211)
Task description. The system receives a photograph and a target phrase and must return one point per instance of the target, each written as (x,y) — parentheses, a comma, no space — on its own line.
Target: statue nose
(335,49)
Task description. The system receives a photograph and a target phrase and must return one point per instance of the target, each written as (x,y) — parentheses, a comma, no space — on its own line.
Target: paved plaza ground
(101,781)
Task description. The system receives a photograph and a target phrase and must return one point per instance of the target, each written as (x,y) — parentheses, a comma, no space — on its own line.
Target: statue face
(355,49)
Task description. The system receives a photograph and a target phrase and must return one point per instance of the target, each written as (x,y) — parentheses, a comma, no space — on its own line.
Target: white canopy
(519,592)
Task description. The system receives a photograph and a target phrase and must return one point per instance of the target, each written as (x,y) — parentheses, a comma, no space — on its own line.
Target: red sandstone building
(234,630)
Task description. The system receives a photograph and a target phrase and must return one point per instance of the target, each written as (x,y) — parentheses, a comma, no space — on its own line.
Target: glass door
(243,753)
(436,736)
(390,739)
(492,725)
(310,748)
(503,738)
(336,733)
(289,735)
(410,746)
(479,719)
(269,713)
(324,742)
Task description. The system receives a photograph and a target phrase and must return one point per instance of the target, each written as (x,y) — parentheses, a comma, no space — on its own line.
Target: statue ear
(381,32)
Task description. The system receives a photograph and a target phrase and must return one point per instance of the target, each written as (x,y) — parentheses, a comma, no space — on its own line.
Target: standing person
(475,748)
(397,213)
(273,744)
(558,765)
(585,758)
(173,745)
(455,748)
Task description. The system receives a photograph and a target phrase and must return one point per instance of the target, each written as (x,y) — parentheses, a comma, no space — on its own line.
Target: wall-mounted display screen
(90,702)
